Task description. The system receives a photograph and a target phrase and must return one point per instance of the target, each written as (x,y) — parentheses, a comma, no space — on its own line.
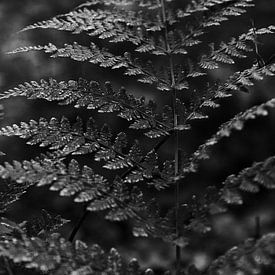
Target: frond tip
(260,174)
(251,257)
(225,130)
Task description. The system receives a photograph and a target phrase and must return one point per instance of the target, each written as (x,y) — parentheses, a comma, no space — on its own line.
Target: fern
(253,256)
(90,95)
(55,255)
(163,36)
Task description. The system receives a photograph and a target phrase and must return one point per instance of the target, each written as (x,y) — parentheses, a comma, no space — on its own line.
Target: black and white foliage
(155,28)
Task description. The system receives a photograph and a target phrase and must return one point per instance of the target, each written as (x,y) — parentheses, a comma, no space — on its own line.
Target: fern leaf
(250,180)
(251,257)
(99,57)
(85,185)
(91,95)
(55,255)
(44,223)
(74,139)
(116,199)
(239,81)
(236,48)
(201,6)
(212,13)
(225,130)
(116,25)
(11,192)
(66,139)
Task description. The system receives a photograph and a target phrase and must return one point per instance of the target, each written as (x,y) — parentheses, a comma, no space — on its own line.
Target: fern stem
(8,268)
(176,133)
(155,148)
(78,224)
(257,228)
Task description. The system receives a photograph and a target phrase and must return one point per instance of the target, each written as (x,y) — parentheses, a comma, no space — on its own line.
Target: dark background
(255,143)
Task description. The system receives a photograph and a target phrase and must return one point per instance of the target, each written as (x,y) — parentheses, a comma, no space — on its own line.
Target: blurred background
(255,143)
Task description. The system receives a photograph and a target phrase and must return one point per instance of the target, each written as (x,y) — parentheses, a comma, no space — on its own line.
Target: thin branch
(78,224)
(257,234)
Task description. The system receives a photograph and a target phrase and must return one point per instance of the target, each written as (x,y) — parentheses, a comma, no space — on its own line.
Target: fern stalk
(176,134)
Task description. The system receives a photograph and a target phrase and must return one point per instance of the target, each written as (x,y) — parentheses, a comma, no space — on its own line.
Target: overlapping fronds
(232,8)
(54,255)
(91,95)
(115,199)
(211,14)
(115,25)
(67,139)
(251,257)
(160,34)
(225,130)
(119,24)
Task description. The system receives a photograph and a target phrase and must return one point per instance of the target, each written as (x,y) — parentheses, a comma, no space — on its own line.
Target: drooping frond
(225,130)
(83,184)
(239,81)
(236,48)
(260,174)
(251,257)
(91,95)
(54,255)
(102,58)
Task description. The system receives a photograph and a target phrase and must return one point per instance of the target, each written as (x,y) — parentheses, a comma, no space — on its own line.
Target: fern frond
(69,139)
(91,95)
(202,6)
(213,13)
(225,130)
(239,81)
(42,224)
(115,25)
(55,255)
(236,48)
(72,139)
(246,78)
(103,58)
(105,3)
(10,192)
(251,257)
(84,184)
(260,174)
(116,200)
